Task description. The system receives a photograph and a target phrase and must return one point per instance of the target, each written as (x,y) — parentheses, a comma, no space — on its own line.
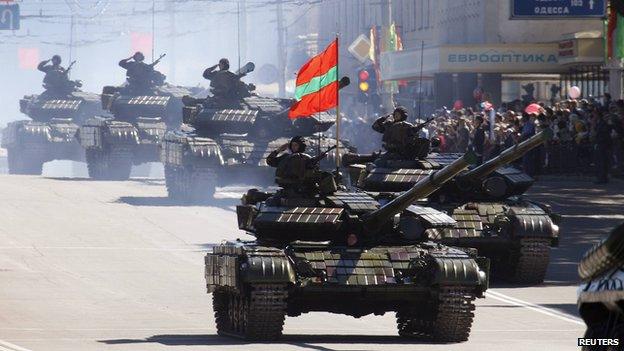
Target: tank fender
(531,221)
(267,269)
(26,131)
(458,271)
(206,149)
(221,270)
(118,132)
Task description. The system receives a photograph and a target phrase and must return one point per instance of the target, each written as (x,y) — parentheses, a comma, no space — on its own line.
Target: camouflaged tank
(226,141)
(601,293)
(135,132)
(487,203)
(342,252)
(50,135)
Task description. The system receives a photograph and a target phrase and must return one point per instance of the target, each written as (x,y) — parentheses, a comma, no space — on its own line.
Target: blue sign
(561,9)
(9,17)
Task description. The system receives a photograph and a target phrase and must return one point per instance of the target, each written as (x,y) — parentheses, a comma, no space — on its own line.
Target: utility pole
(172,40)
(386,21)
(243,30)
(281,50)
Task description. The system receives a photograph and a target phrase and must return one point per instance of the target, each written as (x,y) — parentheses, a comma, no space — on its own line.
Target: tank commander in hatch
(397,132)
(292,165)
(139,73)
(56,79)
(222,81)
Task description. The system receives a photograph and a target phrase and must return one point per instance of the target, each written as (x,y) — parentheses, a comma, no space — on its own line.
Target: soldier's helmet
(56,59)
(300,141)
(138,56)
(401,112)
(224,64)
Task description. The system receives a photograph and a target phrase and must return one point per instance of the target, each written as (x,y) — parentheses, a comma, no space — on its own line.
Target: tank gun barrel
(507,156)
(425,187)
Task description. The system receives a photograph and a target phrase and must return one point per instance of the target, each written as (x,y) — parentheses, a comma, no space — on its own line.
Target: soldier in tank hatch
(222,81)
(395,129)
(55,66)
(402,139)
(55,79)
(139,73)
(291,166)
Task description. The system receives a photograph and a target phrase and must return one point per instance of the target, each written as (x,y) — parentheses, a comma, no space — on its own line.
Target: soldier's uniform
(55,78)
(138,73)
(222,82)
(292,173)
(397,135)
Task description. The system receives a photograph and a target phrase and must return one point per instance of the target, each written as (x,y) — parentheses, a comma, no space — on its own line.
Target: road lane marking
(610,216)
(536,308)
(198,249)
(7,346)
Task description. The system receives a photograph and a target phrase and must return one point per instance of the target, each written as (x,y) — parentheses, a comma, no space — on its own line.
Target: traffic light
(367,84)
(364,84)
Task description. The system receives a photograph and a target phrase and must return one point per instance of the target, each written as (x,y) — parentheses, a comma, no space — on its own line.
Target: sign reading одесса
(553,9)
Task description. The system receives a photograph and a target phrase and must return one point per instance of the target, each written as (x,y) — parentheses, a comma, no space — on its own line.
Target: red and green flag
(317,84)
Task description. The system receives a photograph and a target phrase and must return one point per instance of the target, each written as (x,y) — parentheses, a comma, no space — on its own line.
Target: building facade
(468,44)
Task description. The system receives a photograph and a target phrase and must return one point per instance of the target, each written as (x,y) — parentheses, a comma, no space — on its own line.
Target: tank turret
(339,215)
(422,189)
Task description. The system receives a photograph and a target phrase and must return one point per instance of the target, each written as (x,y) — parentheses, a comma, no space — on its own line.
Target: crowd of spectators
(588,134)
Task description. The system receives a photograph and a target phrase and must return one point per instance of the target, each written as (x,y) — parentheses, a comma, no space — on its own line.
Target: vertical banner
(141,42)
(28,58)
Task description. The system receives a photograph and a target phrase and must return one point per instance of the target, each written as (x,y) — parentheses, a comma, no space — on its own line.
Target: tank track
(196,185)
(113,164)
(531,261)
(451,320)
(256,314)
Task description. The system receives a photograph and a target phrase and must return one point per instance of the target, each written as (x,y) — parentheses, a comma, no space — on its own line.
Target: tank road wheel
(190,184)
(530,262)
(257,314)
(22,161)
(454,315)
(449,320)
(112,164)
(411,324)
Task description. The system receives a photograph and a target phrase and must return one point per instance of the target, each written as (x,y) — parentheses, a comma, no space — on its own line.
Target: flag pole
(337,105)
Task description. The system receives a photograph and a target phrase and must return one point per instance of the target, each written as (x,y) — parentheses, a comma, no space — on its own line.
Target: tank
(601,295)
(50,133)
(134,133)
(340,251)
(225,141)
(487,201)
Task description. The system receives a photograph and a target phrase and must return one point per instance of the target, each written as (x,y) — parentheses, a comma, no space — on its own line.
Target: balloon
(533,109)
(458,105)
(574,92)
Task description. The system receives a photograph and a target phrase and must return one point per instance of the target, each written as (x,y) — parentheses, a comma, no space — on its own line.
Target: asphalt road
(88,265)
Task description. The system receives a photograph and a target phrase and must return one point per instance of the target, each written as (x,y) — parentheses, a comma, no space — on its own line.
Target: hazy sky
(204,32)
